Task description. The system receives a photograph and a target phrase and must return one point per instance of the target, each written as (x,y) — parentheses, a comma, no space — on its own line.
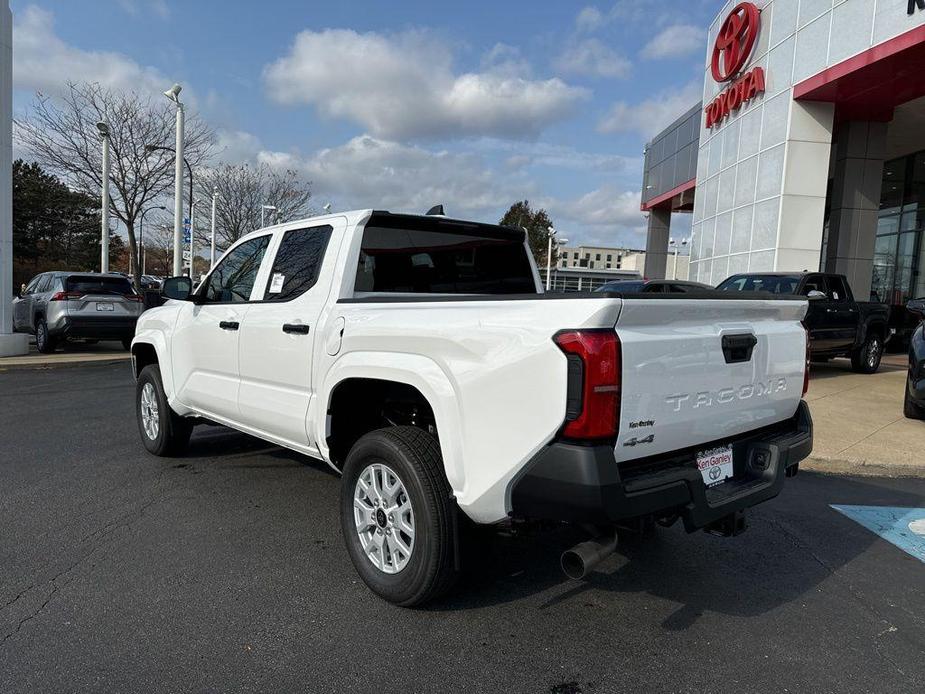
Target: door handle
(295,328)
(229,325)
(831,310)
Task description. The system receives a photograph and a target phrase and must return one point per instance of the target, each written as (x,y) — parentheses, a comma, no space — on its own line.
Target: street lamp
(674,244)
(103,127)
(264,208)
(212,252)
(550,234)
(141,234)
(174,95)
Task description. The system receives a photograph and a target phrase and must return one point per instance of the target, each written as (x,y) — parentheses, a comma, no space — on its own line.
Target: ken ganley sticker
(276,283)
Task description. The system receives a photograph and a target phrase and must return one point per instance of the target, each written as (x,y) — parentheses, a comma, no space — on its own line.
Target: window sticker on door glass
(276,284)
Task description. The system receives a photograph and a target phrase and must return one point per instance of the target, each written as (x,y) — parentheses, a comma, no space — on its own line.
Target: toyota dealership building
(808,150)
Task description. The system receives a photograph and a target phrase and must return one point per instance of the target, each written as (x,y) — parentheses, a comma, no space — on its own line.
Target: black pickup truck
(838,325)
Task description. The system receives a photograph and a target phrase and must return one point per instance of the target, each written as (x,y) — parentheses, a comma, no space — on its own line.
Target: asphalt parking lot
(225,571)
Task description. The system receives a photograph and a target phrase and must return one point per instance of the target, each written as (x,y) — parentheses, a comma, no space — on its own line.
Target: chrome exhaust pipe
(581,559)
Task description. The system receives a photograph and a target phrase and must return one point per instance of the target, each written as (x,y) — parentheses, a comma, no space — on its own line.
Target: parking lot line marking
(903,527)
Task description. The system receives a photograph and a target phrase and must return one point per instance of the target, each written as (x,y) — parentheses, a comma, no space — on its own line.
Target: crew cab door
(818,315)
(280,332)
(204,349)
(844,317)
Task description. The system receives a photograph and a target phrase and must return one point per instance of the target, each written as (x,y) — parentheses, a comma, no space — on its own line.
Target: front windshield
(775,284)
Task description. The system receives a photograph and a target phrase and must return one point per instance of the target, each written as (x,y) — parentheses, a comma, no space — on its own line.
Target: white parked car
(419,357)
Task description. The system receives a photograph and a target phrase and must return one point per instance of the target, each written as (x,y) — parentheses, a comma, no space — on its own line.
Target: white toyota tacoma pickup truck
(419,357)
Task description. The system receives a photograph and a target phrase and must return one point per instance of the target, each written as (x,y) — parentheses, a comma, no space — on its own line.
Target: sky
(402,105)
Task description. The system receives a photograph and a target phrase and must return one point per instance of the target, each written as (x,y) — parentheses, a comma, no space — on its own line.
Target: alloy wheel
(384,518)
(149,411)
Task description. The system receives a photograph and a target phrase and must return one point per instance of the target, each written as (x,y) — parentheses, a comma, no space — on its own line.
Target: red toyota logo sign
(735,42)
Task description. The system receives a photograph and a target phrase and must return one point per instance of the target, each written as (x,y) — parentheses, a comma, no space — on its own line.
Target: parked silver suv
(56,306)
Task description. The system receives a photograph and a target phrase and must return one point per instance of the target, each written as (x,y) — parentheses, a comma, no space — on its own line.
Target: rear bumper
(584,484)
(103,328)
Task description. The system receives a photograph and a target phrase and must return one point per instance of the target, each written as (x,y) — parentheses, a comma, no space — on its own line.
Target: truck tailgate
(684,385)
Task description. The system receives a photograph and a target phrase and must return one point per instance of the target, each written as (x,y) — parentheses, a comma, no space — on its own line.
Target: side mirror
(917,306)
(816,295)
(179,288)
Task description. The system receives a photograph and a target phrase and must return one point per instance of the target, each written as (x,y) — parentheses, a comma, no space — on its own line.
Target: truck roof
(356,216)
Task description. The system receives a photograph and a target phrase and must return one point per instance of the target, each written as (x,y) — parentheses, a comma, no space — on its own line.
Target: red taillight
(133,297)
(806,367)
(64,296)
(600,374)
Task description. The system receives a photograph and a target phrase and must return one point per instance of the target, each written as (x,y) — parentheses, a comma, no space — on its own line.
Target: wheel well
(143,355)
(361,405)
(878,329)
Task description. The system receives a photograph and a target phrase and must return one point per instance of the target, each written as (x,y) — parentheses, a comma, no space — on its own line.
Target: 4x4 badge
(636,442)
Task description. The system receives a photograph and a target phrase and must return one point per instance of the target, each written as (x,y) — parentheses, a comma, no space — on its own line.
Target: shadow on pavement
(786,552)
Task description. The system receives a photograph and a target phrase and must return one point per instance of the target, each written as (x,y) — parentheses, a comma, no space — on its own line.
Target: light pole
(103,127)
(141,234)
(264,208)
(212,251)
(192,234)
(674,244)
(550,235)
(174,95)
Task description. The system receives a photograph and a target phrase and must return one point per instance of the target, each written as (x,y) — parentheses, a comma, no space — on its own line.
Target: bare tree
(61,134)
(242,191)
(158,243)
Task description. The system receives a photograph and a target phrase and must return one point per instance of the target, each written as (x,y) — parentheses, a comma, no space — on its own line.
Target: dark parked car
(914,404)
(838,325)
(654,287)
(57,306)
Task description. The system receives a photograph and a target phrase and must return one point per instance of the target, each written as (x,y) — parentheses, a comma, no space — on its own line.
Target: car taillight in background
(806,366)
(133,297)
(594,376)
(64,296)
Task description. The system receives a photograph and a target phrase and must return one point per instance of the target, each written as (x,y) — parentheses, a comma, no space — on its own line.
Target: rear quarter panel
(506,378)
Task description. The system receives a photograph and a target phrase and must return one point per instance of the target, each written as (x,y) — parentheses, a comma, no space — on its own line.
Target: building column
(10,344)
(860,150)
(657,244)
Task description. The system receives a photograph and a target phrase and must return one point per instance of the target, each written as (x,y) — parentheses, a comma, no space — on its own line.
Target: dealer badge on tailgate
(715,465)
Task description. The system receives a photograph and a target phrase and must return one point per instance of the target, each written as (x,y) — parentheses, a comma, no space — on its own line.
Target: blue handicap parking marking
(904,527)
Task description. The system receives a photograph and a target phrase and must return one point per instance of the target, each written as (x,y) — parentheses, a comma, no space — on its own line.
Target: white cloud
(403,86)
(605,206)
(593,57)
(652,115)
(589,19)
(42,61)
(135,7)
(370,172)
(558,156)
(674,42)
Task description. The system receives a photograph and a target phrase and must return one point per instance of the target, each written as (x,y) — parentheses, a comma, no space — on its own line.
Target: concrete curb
(63,364)
(861,468)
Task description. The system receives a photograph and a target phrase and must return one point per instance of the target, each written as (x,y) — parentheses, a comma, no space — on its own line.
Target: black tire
(866,359)
(127,344)
(44,342)
(173,431)
(414,456)
(910,409)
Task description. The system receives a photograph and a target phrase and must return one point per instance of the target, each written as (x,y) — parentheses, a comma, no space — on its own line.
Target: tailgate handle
(738,348)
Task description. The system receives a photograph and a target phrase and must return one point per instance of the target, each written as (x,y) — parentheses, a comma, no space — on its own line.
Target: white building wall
(762,173)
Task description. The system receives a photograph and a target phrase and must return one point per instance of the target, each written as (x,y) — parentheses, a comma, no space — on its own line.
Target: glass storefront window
(888,224)
(899,257)
(884,268)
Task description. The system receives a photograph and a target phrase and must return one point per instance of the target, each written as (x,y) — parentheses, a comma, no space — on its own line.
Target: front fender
(152,328)
(413,370)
